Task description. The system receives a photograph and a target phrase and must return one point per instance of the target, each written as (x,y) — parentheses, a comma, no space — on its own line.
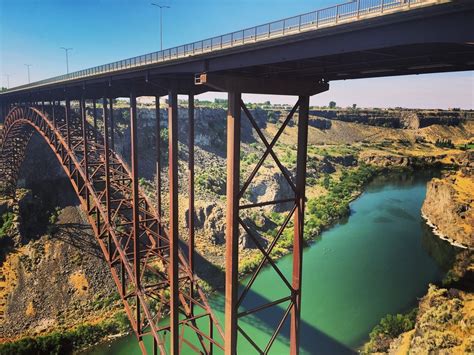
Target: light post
(8,80)
(28,68)
(67,58)
(161,21)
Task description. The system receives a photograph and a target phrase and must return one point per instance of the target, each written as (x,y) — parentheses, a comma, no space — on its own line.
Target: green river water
(377,261)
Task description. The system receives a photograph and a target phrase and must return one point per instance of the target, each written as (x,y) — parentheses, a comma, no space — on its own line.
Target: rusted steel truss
(154,278)
(235,312)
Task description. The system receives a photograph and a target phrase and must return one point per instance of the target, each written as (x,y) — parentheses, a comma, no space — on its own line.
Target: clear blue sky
(102,31)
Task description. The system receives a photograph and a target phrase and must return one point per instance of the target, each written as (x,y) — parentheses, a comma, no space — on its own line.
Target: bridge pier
(234,300)
(173,224)
(135,208)
(191,244)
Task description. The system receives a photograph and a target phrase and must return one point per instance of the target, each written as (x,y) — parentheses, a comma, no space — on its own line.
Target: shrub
(444,143)
(6,223)
(66,342)
(390,327)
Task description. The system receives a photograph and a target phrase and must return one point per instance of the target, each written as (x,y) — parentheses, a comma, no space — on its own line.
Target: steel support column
(94,115)
(232,221)
(299,222)
(135,200)
(191,191)
(107,174)
(67,115)
(158,165)
(82,104)
(112,124)
(53,106)
(173,223)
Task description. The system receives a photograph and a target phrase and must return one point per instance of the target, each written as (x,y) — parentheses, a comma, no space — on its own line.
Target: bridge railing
(330,16)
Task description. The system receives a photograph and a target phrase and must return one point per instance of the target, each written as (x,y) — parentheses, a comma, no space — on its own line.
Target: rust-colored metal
(122,219)
(112,124)
(85,151)
(158,161)
(232,224)
(135,207)
(107,175)
(155,279)
(191,245)
(299,222)
(53,109)
(234,299)
(94,116)
(173,231)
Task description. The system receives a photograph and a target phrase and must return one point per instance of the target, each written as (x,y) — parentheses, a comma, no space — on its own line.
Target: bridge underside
(435,39)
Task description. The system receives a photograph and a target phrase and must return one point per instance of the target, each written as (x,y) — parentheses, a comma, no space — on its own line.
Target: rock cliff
(449,208)
(444,325)
(395,118)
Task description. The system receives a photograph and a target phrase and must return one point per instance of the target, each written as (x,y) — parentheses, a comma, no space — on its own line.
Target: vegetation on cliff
(64,342)
(321,212)
(390,327)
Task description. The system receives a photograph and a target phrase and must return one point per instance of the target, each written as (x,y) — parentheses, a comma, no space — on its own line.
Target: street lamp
(8,80)
(28,67)
(161,21)
(67,58)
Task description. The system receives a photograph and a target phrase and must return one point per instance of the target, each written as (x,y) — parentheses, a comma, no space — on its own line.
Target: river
(377,261)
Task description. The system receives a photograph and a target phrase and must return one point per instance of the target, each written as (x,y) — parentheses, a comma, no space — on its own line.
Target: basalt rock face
(56,282)
(406,119)
(448,207)
(444,325)
(398,161)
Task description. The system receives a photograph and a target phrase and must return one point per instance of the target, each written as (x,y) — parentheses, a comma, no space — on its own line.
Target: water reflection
(440,250)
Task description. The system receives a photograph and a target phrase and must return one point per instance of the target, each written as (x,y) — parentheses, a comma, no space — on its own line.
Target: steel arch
(105,187)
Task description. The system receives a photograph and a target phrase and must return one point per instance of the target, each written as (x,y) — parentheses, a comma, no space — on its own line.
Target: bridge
(297,56)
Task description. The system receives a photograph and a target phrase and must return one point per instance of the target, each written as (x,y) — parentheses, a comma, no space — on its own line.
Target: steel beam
(158,166)
(232,221)
(94,115)
(107,174)
(82,104)
(135,203)
(259,85)
(112,124)
(299,222)
(191,243)
(173,224)
(53,106)
(67,113)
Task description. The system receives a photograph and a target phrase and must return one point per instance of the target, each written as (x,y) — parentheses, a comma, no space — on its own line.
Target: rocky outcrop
(465,159)
(392,160)
(270,187)
(444,325)
(320,123)
(210,220)
(405,119)
(57,281)
(448,207)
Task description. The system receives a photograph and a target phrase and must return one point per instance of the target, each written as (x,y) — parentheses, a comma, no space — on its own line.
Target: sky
(103,31)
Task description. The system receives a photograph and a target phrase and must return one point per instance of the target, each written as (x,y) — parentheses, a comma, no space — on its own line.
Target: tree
(332,104)
(3,89)
(354,107)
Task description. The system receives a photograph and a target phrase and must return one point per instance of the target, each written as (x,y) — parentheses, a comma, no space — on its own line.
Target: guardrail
(334,15)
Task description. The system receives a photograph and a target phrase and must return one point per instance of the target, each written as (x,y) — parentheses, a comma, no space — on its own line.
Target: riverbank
(335,178)
(445,313)
(371,256)
(321,214)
